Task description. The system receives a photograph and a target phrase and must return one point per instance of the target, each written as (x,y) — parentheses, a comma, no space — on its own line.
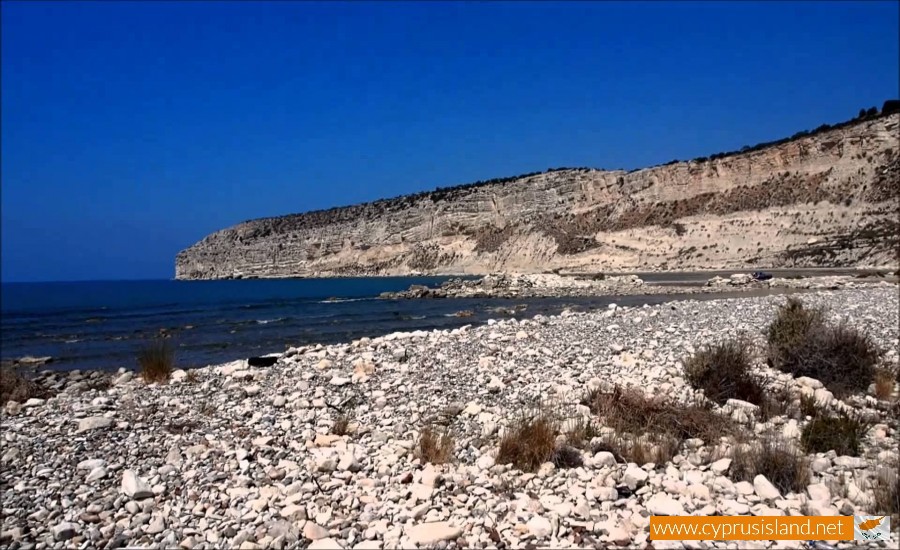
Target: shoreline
(514,296)
(235,456)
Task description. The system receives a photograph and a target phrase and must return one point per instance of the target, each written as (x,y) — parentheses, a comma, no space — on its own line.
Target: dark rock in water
(261,361)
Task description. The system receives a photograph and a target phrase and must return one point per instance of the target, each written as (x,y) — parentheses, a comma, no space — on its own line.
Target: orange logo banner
(751,528)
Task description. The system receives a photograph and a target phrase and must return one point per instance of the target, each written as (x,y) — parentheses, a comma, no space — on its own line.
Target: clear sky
(132,130)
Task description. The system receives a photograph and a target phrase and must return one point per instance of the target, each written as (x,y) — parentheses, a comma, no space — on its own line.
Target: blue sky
(132,130)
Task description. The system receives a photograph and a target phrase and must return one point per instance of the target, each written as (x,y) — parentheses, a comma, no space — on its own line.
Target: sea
(103,324)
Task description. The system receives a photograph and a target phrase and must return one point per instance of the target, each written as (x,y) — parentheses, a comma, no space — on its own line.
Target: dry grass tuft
(842,433)
(644,450)
(156,360)
(722,371)
(808,405)
(884,383)
(581,432)
(192,377)
(801,343)
(530,442)
(434,447)
(886,490)
(341,425)
(15,387)
(785,467)
(630,411)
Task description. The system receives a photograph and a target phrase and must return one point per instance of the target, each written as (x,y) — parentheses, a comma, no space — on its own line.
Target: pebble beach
(230,456)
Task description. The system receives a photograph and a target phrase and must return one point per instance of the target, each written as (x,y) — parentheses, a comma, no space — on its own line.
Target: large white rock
(604,458)
(634,477)
(764,488)
(720,466)
(539,527)
(430,533)
(662,504)
(313,531)
(821,508)
(135,487)
(819,491)
(93,423)
(90,464)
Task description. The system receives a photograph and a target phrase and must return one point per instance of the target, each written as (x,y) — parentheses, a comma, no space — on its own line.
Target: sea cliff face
(826,199)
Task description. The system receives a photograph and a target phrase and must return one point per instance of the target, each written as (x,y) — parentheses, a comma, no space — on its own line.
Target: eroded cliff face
(830,199)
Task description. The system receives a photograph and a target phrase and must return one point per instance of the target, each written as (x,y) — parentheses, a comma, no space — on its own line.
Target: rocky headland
(821,198)
(327,447)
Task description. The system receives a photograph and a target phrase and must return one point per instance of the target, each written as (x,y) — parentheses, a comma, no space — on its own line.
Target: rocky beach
(552,284)
(327,447)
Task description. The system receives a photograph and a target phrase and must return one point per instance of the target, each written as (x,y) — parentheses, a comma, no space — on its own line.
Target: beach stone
(604,458)
(64,531)
(764,488)
(94,423)
(539,527)
(425,534)
(325,544)
(135,487)
(90,464)
(662,504)
(720,466)
(313,531)
(96,474)
(634,477)
(819,491)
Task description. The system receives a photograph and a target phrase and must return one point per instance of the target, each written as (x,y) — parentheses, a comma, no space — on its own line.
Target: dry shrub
(630,411)
(341,425)
(566,457)
(722,371)
(156,360)
(530,442)
(434,447)
(886,490)
(644,450)
(808,405)
(884,383)
(15,387)
(785,467)
(192,377)
(801,343)
(842,433)
(581,432)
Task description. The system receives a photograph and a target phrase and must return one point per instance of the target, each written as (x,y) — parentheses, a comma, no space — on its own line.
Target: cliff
(828,198)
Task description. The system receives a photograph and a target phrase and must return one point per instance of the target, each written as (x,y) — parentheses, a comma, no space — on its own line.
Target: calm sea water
(102,324)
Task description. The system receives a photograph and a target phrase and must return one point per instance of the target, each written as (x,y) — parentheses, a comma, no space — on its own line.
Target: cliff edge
(827,198)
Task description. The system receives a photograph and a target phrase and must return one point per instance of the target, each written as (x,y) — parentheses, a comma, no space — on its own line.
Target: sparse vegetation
(651,429)
(341,425)
(434,447)
(156,360)
(581,432)
(785,467)
(530,442)
(15,387)
(192,377)
(722,371)
(808,405)
(886,490)
(801,343)
(884,383)
(566,457)
(841,433)
(657,449)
